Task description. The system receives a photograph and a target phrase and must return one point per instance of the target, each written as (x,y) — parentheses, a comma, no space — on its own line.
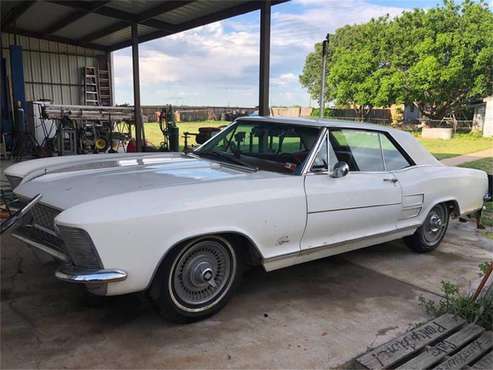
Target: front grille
(44,216)
(41,237)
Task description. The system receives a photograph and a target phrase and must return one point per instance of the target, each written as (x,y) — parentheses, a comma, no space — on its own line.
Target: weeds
(463,305)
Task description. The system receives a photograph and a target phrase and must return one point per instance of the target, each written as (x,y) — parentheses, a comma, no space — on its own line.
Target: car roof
(315,122)
(405,140)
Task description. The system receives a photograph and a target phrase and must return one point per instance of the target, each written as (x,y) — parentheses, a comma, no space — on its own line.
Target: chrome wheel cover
(435,225)
(202,274)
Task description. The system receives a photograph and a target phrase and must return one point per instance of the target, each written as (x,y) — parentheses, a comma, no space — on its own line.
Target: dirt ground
(317,315)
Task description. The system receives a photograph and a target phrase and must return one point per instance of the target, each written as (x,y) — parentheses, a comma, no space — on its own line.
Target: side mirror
(340,169)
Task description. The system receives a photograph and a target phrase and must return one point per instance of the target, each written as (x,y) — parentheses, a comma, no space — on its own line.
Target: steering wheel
(233,148)
(285,157)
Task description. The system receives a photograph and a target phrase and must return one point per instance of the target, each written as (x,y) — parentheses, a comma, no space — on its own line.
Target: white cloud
(284,79)
(217,64)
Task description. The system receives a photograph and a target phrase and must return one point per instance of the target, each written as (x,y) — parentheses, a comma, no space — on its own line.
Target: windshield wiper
(227,158)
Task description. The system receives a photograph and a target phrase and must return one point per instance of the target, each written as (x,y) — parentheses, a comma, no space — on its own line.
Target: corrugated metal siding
(52,70)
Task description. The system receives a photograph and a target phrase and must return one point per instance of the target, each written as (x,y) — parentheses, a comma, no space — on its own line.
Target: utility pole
(325,46)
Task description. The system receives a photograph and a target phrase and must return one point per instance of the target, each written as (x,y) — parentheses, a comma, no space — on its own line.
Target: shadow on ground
(320,314)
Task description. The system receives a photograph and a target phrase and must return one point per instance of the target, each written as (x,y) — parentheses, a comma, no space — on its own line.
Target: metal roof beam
(54,38)
(142,18)
(112,13)
(14,13)
(105,31)
(162,8)
(197,22)
(73,17)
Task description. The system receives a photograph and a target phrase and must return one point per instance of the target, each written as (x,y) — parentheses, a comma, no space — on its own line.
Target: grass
(460,144)
(154,136)
(485,164)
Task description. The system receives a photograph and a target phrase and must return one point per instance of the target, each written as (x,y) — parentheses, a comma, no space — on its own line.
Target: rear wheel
(196,280)
(429,235)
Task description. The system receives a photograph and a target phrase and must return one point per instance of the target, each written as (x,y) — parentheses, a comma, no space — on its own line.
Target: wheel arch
(251,251)
(453,207)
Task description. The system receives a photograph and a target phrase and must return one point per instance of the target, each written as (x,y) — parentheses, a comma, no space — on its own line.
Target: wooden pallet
(445,343)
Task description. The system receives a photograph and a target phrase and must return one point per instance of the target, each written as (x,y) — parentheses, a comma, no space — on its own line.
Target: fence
(461,125)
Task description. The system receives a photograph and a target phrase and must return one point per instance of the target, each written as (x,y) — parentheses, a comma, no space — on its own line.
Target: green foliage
(463,305)
(484,267)
(316,113)
(438,58)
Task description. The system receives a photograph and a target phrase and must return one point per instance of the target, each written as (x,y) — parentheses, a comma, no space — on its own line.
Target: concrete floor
(317,315)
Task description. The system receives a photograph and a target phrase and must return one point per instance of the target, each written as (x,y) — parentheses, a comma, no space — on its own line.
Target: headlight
(80,247)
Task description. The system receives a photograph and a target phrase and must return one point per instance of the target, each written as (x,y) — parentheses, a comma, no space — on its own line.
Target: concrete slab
(317,315)
(456,161)
(457,259)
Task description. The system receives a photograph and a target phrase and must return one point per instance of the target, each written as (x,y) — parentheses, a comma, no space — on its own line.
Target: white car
(264,191)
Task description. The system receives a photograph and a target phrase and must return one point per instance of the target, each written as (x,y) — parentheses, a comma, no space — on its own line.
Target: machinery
(204,134)
(82,129)
(170,130)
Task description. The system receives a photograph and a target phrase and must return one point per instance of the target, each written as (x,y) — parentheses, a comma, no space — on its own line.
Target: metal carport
(109,25)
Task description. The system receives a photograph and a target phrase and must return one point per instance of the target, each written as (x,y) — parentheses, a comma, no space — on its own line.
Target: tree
(438,59)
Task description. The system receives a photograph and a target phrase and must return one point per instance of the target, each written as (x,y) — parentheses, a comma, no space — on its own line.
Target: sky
(217,64)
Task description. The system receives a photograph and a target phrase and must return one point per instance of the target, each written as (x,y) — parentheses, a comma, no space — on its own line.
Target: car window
(268,146)
(360,149)
(394,160)
(320,161)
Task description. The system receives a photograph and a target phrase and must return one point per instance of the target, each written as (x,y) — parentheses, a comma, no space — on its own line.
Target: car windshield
(266,146)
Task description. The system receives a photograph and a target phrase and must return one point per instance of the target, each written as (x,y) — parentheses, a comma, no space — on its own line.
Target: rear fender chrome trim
(73,274)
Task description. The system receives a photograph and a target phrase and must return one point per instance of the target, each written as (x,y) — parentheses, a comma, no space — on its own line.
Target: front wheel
(196,280)
(429,235)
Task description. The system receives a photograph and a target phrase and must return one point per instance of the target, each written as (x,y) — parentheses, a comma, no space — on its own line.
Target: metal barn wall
(52,70)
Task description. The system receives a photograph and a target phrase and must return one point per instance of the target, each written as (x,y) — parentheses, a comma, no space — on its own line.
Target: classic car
(264,191)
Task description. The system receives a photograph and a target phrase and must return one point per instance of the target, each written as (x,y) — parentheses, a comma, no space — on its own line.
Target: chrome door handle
(392,180)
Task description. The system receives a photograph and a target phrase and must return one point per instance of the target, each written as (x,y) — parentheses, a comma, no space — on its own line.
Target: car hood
(80,183)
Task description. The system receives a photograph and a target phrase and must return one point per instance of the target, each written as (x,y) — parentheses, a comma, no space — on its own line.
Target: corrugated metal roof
(197,9)
(40,16)
(79,29)
(105,24)
(123,34)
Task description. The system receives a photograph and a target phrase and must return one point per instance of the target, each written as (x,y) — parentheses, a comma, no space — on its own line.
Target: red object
(132,146)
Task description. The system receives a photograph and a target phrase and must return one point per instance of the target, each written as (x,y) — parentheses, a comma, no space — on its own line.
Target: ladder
(90,84)
(104,86)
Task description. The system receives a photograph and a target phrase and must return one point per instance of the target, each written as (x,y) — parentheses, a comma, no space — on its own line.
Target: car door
(364,203)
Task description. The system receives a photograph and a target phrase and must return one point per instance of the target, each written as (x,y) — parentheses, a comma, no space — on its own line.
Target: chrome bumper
(74,274)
